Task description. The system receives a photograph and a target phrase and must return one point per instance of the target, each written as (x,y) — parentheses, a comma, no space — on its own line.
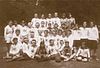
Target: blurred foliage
(88,10)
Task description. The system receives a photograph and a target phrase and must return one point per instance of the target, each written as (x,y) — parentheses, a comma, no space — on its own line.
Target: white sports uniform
(76,34)
(32,51)
(70,39)
(18,37)
(31,34)
(60,47)
(15,48)
(46,40)
(16,27)
(49,20)
(83,53)
(52,50)
(43,22)
(84,33)
(56,20)
(8,33)
(71,20)
(34,21)
(24,31)
(93,33)
(63,20)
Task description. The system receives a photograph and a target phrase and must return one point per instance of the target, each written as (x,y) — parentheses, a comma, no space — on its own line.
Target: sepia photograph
(49,33)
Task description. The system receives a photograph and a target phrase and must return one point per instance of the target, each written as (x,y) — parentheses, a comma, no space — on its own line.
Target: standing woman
(70,21)
(8,34)
(84,32)
(93,38)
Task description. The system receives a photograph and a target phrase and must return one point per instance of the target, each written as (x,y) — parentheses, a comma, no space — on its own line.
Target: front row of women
(62,52)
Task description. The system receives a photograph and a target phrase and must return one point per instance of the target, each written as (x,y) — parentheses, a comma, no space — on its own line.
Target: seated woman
(41,54)
(83,53)
(53,52)
(15,49)
(32,49)
(66,52)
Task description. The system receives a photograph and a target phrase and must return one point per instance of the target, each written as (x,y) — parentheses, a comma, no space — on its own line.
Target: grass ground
(46,64)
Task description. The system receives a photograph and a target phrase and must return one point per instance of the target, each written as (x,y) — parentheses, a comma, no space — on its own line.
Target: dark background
(82,10)
(24,9)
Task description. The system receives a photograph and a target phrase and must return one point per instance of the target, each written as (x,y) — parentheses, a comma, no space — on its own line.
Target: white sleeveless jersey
(34,21)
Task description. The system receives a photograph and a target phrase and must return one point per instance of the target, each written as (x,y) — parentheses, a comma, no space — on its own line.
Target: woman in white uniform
(8,34)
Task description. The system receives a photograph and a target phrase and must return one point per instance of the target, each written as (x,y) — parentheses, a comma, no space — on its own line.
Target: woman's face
(61,42)
(33,42)
(84,24)
(91,24)
(52,42)
(49,15)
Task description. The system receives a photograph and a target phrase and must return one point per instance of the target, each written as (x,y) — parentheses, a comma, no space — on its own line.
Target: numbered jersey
(56,20)
(43,23)
(49,20)
(34,21)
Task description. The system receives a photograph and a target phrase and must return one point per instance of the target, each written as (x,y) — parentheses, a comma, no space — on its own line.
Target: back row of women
(51,38)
